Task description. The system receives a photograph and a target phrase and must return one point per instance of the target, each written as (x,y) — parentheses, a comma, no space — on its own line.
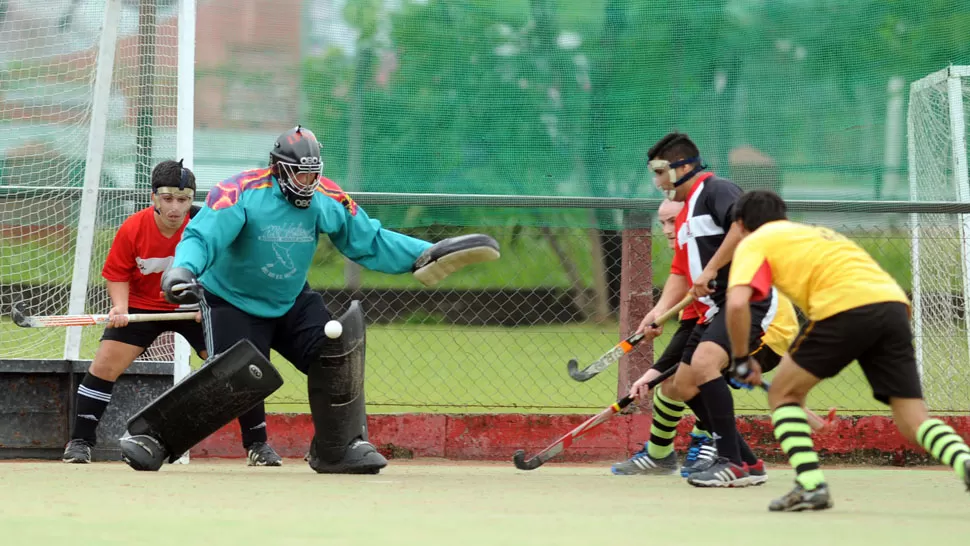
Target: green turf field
(431,503)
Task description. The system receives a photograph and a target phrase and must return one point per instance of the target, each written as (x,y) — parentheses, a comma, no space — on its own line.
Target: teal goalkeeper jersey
(252,248)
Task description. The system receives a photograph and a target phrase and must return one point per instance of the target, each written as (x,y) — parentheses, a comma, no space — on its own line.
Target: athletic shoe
(799,499)
(723,473)
(261,454)
(642,464)
(701,454)
(77,451)
(757,474)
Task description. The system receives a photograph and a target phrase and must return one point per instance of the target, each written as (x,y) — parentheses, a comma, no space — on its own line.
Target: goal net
(937,122)
(48,106)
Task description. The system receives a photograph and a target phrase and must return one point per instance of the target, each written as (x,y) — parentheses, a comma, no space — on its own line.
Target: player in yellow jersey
(856,311)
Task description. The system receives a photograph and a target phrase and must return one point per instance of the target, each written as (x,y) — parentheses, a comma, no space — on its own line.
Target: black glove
(739,369)
(176,276)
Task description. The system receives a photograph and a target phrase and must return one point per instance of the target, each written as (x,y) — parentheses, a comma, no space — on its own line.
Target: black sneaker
(799,499)
(361,457)
(261,454)
(77,451)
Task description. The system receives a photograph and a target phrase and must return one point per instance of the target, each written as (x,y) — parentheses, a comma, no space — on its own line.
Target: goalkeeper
(250,250)
(856,311)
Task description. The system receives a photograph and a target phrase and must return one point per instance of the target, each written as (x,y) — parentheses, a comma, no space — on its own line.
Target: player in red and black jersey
(143,249)
(704,244)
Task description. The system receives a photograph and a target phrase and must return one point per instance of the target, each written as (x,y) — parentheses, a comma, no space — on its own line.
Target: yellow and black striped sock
(942,442)
(663,429)
(794,434)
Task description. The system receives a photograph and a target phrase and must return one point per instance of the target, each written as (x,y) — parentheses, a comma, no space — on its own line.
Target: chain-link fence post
(636,299)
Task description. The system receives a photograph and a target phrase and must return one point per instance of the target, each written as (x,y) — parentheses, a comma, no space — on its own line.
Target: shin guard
(335,388)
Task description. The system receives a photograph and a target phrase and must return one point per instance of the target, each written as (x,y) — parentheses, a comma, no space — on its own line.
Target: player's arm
(215,227)
(721,203)
(675,288)
(750,279)
(721,258)
(640,389)
(365,241)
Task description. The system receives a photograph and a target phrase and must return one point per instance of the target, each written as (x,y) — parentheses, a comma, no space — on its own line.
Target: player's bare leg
(94,395)
(786,398)
(939,439)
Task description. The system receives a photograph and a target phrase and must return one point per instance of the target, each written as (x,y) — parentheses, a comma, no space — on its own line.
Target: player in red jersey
(142,250)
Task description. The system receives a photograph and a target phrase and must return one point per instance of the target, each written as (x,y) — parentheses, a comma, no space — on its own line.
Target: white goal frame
(953,77)
(104,68)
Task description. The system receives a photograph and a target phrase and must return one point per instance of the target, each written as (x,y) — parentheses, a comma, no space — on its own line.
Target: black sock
(747,456)
(720,405)
(253,425)
(701,425)
(93,397)
(697,405)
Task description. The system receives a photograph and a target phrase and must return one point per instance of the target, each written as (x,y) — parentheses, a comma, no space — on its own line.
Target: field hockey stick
(623,347)
(567,440)
(817,423)
(20,318)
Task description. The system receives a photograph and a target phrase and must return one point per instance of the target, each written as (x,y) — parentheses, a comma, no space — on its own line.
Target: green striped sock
(663,429)
(794,434)
(942,442)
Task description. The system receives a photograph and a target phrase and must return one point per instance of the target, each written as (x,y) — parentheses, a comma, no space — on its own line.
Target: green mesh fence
(485,104)
(548,97)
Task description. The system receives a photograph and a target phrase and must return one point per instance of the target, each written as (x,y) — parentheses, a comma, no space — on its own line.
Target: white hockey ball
(333,329)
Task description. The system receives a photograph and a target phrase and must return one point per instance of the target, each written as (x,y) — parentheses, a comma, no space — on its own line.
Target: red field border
(497,436)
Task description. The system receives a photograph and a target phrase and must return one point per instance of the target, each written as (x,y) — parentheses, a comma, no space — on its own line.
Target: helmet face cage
(287,174)
(297,151)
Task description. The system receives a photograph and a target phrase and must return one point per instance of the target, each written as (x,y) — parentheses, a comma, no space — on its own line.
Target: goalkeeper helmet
(295,160)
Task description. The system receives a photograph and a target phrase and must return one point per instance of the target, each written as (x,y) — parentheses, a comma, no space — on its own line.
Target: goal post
(84,242)
(84,84)
(940,247)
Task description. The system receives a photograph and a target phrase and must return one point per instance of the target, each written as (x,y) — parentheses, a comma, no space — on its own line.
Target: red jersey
(139,255)
(680,265)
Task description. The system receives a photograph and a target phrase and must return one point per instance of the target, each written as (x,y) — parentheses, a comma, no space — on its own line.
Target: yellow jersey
(822,271)
(783,328)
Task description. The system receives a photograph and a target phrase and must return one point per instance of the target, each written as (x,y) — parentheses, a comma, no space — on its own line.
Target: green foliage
(563,97)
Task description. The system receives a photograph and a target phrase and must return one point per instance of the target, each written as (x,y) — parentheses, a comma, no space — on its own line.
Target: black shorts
(143,334)
(877,335)
(716,331)
(297,335)
(766,358)
(671,355)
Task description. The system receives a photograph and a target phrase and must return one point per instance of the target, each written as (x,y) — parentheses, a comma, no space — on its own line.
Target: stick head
(574,372)
(519,459)
(18,312)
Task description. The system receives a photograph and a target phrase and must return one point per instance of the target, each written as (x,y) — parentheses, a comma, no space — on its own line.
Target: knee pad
(335,389)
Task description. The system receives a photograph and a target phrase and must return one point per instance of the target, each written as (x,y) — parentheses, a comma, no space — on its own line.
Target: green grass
(429,503)
(449,369)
